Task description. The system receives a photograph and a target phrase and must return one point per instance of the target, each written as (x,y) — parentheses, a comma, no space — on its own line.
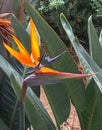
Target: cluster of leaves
(90,117)
(96,5)
(88,102)
(76,11)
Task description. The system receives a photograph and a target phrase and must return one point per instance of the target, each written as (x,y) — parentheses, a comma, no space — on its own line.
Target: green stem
(22,115)
(22,107)
(13,114)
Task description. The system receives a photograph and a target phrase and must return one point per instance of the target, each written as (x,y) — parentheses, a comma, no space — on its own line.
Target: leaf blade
(89,65)
(95,46)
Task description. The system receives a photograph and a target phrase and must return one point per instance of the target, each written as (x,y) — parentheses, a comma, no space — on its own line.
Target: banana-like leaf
(9,105)
(88,64)
(92,114)
(90,117)
(95,46)
(3,126)
(34,109)
(54,45)
(96,49)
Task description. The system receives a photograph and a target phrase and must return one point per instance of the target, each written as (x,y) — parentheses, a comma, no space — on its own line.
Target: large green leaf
(34,109)
(9,104)
(96,51)
(95,46)
(55,46)
(89,65)
(91,116)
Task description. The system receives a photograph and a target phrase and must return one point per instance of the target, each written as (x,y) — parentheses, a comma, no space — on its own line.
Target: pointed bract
(35,50)
(48,76)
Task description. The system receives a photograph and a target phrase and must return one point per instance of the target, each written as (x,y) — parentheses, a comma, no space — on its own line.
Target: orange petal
(47,70)
(65,75)
(20,46)
(24,59)
(34,42)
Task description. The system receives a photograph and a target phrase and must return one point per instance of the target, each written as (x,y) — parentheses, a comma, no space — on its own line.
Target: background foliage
(76,11)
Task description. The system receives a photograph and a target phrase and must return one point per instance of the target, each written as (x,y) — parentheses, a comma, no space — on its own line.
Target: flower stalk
(22,115)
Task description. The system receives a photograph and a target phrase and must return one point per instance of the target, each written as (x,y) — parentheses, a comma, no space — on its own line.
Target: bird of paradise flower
(42,75)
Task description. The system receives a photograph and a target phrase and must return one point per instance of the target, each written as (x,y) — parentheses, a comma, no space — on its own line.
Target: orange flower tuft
(5,28)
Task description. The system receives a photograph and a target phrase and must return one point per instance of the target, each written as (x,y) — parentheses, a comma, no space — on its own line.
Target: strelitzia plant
(37,116)
(59,95)
(42,75)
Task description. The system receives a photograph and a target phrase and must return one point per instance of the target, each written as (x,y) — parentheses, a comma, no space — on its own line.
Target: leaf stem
(22,115)
(22,107)
(13,114)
